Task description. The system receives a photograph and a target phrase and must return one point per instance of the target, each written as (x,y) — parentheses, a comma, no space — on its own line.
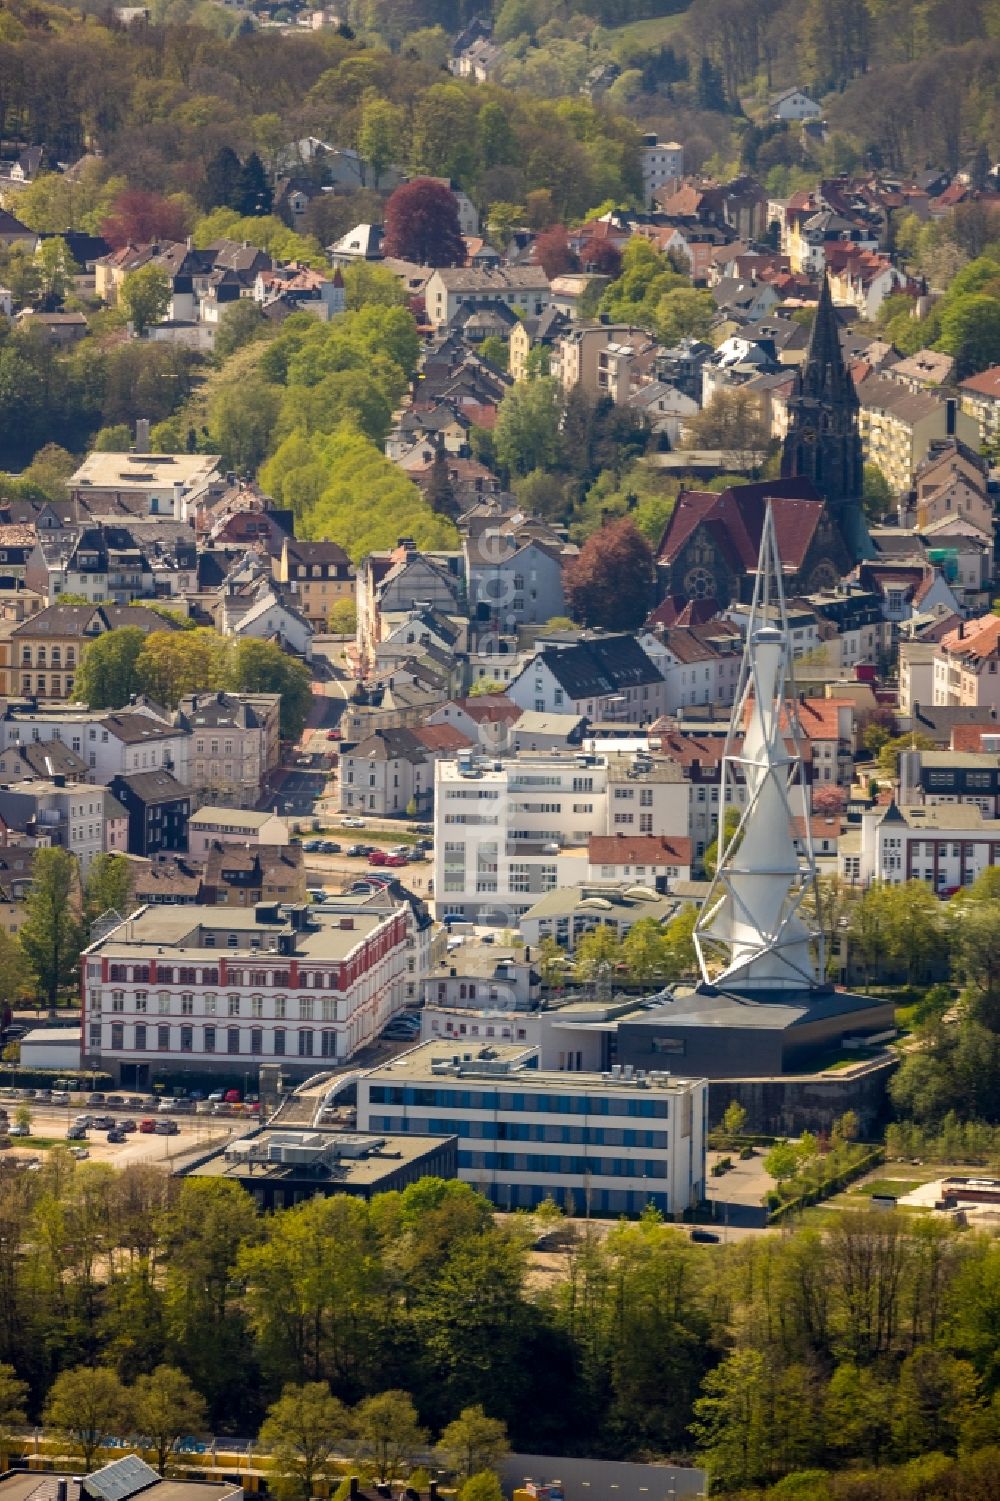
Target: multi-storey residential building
(317,574)
(660,161)
(609,1143)
(53,813)
(967,665)
(219,990)
(233,741)
(980,397)
(244,826)
(393,583)
(120,743)
(158,808)
(47,648)
(525,288)
(603,677)
(940,778)
(898,427)
(169,484)
(644,858)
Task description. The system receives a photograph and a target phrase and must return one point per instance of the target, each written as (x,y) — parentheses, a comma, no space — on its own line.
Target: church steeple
(823,442)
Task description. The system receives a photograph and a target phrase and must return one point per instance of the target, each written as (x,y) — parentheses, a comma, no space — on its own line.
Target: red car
(379,857)
(231,1097)
(147,1126)
(395,860)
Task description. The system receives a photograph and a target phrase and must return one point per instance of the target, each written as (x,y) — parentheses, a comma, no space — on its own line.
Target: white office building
(661,162)
(599,1143)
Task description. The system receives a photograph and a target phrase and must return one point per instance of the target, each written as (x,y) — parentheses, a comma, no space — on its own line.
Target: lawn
(653,32)
(888,1187)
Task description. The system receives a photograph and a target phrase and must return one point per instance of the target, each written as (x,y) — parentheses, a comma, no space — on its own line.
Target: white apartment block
(210,990)
(598,1143)
(661,161)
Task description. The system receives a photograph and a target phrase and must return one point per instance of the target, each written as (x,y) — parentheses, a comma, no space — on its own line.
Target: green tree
(389,1432)
(782,1161)
(13,1392)
(970,332)
(165,1407)
(172,664)
(262,667)
(936,1395)
(877,493)
(731,1420)
(551,962)
(380,135)
(50,935)
(106,888)
(484,686)
(484,1486)
(343,619)
(55,268)
(596,950)
(473,1442)
(86,1405)
(888,756)
(858,1410)
(240,324)
(732,421)
(680,958)
(145,296)
(527,426)
(302,1432)
(643,949)
(114,439)
(734,1119)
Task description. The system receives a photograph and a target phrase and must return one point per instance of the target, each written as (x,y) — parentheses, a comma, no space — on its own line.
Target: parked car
(352,823)
(378,857)
(126,1125)
(83,1120)
(416,853)
(705,1237)
(354,850)
(116,1136)
(166,1128)
(395,860)
(115,1099)
(76,1133)
(232,1097)
(215,1098)
(425,828)
(18,1130)
(60,1097)
(148,1125)
(80,1153)
(330,847)
(104,1123)
(95,1098)
(167,1103)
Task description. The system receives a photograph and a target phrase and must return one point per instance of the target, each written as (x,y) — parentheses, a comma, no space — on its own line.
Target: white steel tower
(752,921)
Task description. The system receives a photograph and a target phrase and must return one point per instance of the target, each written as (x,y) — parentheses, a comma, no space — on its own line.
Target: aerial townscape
(499,750)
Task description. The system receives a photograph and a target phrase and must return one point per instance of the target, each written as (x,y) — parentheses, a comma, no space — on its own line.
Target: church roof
(735,518)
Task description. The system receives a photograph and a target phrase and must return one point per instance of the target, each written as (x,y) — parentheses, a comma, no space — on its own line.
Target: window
(256,1040)
(329,1044)
(140,1035)
(234,1005)
(305,1044)
(187,1039)
(305,1008)
(279,1042)
(117,1035)
(329,1009)
(280,1007)
(162,1002)
(257,1005)
(187,1005)
(163,1039)
(232,1040)
(117,1001)
(209,1039)
(210,1002)
(140,1004)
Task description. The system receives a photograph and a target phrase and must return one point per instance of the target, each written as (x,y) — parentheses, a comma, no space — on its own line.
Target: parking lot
(49,1122)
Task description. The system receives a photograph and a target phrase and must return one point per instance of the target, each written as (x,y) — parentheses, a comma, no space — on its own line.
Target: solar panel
(120,1479)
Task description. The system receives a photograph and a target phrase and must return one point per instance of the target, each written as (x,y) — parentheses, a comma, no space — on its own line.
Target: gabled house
(606,678)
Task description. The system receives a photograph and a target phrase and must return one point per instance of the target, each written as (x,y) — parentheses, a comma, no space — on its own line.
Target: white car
(352,823)
(18,1130)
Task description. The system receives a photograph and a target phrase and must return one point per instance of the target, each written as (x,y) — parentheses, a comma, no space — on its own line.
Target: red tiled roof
(639,849)
(736,519)
(976,639)
(491,707)
(986,383)
(821,826)
(969,737)
(676,610)
(442,737)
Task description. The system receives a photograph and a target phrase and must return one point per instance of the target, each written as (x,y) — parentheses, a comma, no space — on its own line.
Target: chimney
(142,434)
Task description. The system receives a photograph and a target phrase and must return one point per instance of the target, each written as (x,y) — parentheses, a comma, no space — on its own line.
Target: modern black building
(158,808)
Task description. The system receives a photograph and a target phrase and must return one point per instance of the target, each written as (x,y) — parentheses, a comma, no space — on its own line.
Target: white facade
(794,105)
(112,743)
(660,162)
(946,845)
(243,826)
(215,990)
(600,1143)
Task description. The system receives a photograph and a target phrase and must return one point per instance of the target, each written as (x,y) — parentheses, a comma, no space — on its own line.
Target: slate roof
(590,669)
